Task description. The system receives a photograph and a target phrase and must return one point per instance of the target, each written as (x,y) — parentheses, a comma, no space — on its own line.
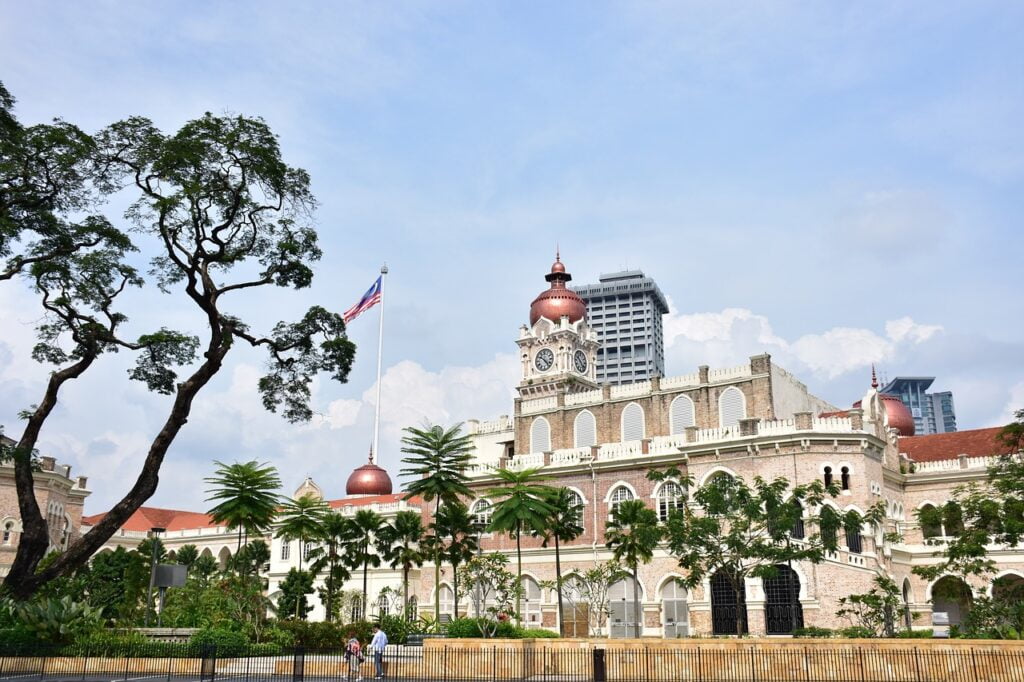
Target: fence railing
(496,662)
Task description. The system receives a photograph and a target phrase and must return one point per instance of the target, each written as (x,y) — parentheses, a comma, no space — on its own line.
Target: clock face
(545,358)
(579,359)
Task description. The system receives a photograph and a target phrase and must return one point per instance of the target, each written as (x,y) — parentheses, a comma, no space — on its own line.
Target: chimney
(47,463)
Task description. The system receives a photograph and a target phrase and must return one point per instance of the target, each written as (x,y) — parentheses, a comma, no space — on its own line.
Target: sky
(837,184)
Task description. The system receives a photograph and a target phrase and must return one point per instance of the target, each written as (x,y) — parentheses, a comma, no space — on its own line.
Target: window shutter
(731,407)
(681,414)
(586,429)
(540,435)
(632,422)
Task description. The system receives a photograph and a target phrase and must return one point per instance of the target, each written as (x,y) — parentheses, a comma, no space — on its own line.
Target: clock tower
(558,349)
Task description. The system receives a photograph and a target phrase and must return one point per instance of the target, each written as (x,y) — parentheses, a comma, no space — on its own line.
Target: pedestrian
(353,656)
(377,646)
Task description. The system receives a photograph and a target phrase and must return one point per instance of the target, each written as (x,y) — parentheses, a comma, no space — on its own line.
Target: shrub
(527,633)
(58,621)
(857,632)
(398,628)
(812,631)
(324,635)
(228,642)
(473,628)
(916,634)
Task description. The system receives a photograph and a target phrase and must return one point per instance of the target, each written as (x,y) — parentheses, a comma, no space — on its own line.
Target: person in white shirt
(377,645)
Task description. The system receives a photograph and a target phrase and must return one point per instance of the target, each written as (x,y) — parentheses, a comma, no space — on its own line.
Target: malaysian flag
(369,299)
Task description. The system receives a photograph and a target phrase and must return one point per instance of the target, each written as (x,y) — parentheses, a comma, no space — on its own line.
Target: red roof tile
(934,447)
(146,518)
(370,499)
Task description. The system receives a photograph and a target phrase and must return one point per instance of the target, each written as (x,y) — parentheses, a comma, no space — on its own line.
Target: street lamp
(153,533)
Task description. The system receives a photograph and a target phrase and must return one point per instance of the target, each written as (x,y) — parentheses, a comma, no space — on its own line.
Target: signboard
(170,575)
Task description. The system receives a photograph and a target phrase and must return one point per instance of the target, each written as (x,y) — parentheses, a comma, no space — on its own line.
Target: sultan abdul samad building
(600,442)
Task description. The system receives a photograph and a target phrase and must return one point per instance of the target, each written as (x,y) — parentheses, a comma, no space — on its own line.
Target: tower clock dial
(545,358)
(579,359)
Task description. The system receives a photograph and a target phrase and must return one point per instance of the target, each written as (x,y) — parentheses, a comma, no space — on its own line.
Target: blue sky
(839,184)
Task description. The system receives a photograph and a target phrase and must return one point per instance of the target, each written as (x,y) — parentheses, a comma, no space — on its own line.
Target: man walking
(377,645)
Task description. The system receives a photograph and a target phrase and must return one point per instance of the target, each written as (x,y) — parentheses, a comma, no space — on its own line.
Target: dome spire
(558,300)
(874,377)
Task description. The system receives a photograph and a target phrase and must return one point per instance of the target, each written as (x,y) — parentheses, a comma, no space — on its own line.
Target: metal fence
(452,663)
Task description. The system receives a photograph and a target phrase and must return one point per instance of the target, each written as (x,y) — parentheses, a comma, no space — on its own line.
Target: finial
(558,253)
(371,454)
(874,378)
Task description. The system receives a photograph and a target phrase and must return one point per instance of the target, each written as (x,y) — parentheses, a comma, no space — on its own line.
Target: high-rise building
(625,310)
(933,412)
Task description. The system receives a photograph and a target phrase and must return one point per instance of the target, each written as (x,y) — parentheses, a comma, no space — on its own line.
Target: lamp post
(153,537)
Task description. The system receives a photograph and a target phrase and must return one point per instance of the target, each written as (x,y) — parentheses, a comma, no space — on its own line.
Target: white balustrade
(570,456)
(539,405)
(583,398)
(832,424)
(631,390)
(681,381)
(631,448)
(728,373)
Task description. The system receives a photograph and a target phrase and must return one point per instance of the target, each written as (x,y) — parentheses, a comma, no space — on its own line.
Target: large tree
(564,525)
(983,514)
(455,531)
(401,543)
(437,461)
(361,549)
(739,530)
(524,506)
(633,534)
(221,215)
(333,534)
(301,520)
(246,497)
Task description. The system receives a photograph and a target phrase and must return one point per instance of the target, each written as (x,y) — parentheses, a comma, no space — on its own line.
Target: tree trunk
(519,579)
(638,613)
(405,592)
(741,608)
(366,603)
(455,587)
(558,588)
(437,573)
(23,581)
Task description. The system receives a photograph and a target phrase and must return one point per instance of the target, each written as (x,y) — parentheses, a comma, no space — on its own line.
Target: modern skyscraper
(933,412)
(625,310)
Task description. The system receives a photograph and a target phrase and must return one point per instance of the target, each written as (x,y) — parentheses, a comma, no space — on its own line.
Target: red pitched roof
(146,518)
(937,446)
(371,499)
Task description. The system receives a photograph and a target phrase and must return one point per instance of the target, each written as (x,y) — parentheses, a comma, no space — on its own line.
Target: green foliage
(398,628)
(591,587)
(820,633)
(454,535)
(187,555)
(58,621)
(327,559)
(873,611)
(301,520)
(856,632)
(246,495)
(998,618)
(493,590)
(228,642)
(295,587)
(633,534)
(116,584)
(927,633)
(401,547)
(471,628)
(325,635)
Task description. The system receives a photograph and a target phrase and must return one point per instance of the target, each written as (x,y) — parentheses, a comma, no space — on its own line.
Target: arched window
(952,520)
(531,603)
(674,613)
(223,558)
(929,526)
(383,606)
(828,477)
(680,414)
(854,543)
(732,407)
(584,430)
(908,618)
(286,550)
(575,610)
(411,609)
(447,602)
(1008,589)
(576,500)
(782,610)
(844,478)
(622,606)
(670,496)
(618,496)
(481,511)
(797,532)
(8,532)
(726,606)
(632,422)
(952,596)
(356,609)
(540,435)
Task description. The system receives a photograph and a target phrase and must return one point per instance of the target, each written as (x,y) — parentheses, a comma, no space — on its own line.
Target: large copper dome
(368,479)
(558,300)
(899,414)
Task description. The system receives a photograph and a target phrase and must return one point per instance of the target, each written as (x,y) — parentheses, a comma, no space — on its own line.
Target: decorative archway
(782,610)
(575,610)
(622,608)
(531,603)
(951,595)
(727,607)
(675,613)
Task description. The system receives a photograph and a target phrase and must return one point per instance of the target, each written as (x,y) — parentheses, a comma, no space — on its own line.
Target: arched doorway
(223,558)
(531,603)
(726,608)
(1008,588)
(575,610)
(675,616)
(782,610)
(622,607)
(908,618)
(951,595)
(447,603)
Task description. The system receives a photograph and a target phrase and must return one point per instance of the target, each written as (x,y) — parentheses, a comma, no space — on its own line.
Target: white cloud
(906,329)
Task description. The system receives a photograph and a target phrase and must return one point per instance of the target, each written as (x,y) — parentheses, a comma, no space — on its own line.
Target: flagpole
(380,355)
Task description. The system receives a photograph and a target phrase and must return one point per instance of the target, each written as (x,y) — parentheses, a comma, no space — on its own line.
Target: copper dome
(899,414)
(558,300)
(368,479)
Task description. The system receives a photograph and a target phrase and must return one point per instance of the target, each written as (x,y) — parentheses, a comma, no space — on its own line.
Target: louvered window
(585,429)
(632,422)
(732,407)
(540,435)
(681,414)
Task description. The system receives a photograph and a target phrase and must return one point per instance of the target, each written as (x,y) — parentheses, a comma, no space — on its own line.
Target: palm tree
(563,526)
(187,555)
(437,461)
(334,534)
(247,494)
(359,550)
(633,534)
(525,505)
(402,548)
(455,529)
(301,520)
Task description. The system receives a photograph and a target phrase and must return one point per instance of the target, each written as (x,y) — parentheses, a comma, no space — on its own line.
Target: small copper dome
(558,300)
(368,479)
(898,413)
